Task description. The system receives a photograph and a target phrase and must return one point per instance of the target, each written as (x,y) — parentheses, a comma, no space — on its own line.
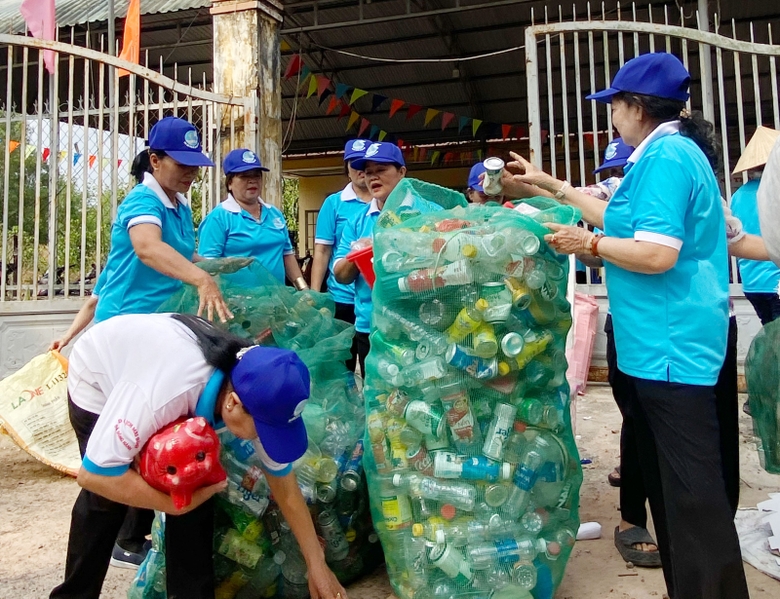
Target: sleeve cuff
(145,219)
(322,241)
(289,252)
(278,473)
(659,239)
(336,261)
(93,468)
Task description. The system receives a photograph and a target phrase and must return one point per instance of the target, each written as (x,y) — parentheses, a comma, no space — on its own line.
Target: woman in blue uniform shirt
(243,225)
(667,279)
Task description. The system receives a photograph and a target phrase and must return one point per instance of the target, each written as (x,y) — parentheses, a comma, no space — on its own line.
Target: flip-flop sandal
(614,477)
(625,541)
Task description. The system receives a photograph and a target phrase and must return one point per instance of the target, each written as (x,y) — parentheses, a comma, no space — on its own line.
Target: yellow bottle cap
(417,529)
(469,251)
(481,304)
(351,535)
(503,368)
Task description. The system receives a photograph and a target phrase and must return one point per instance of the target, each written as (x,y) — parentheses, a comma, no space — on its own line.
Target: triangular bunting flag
(46,153)
(395,106)
(323,83)
(356,95)
(522,131)
(374,130)
(119,163)
(475,123)
(345,110)
(363,126)
(353,118)
(505,131)
(334,101)
(382,135)
(449,157)
(462,122)
(92,159)
(305,72)
(412,110)
(28,151)
(312,87)
(430,114)
(376,101)
(105,162)
(341,89)
(62,154)
(446,119)
(435,157)
(400,143)
(76,158)
(293,67)
(325,95)
(12,145)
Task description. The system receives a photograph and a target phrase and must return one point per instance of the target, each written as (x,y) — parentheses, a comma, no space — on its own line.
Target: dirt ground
(35,504)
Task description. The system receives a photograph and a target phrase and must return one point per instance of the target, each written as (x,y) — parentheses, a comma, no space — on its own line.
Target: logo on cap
(358,145)
(191,139)
(611,151)
(248,157)
(373,149)
(298,410)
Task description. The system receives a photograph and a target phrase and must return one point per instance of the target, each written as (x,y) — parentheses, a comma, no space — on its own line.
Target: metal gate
(67,141)
(734,83)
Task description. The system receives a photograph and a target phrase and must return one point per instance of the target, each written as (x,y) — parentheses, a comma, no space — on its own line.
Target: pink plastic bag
(579,354)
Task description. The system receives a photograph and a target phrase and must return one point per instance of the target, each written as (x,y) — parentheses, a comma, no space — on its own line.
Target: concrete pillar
(246,61)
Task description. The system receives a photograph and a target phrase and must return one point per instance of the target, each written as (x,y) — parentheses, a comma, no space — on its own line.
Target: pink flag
(39,16)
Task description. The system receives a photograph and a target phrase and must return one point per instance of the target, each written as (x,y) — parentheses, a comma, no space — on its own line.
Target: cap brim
(283,444)
(247,167)
(477,187)
(604,95)
(616,163)
(360,163)
(189,158)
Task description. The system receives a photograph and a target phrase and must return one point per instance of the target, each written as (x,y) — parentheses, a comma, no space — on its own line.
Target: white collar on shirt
(348,193)
(373,208)
(231,204)
(662,130)
(152,184)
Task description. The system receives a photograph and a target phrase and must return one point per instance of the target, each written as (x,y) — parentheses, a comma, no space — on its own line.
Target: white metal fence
(734,83)
(67,142)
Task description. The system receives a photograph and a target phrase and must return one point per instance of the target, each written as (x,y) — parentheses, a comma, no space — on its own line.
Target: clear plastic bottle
(498,431)
(427,370)
(466,322)
(263,577)
(450,561)
(450,465)
(459,494)
(396,511)
(427,279)
(394,351)
(509,551)
(524,479)
(435,341)
(530,410)
(389,371)
(513,450)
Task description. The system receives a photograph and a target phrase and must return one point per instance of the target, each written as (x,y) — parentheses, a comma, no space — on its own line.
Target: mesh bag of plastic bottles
(762,370)
(255,554)
(473,472)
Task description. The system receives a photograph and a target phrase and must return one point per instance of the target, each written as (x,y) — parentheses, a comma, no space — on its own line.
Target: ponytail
(141,165)
(219,347)
(692,124)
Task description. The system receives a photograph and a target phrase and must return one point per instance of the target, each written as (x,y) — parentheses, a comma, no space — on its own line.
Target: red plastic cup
(364,260)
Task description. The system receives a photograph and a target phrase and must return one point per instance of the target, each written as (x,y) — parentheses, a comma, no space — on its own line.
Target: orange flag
(131,38)
(12,145)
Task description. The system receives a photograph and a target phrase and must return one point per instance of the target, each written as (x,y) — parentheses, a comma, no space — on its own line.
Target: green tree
(290,194)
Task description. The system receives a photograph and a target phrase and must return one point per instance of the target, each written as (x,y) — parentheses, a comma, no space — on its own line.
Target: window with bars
(310,219)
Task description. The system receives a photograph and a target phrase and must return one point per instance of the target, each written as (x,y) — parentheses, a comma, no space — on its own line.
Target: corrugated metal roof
(75,12)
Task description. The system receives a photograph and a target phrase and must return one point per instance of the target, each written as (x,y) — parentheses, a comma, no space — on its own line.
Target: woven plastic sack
(473,472)
(762,371)
(586,315)
(255,553)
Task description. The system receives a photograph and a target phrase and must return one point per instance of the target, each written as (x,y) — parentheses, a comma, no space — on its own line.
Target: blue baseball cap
(355,148)
(179,139)
(273,384)
(616,155)
(380,151)
(660,74)
(476,171)
(241,161)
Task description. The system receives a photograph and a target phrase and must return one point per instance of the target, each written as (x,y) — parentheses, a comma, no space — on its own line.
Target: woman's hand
(217,266)
(569,240)
(60,344)
(199,497)
(323,583)
(522,176)
(211,300)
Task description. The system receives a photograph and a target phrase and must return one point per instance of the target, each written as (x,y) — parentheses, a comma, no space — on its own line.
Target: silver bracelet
(561,193)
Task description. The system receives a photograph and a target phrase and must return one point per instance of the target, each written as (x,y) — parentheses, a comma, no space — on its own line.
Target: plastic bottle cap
(469,251)
(448,511)
(506,470)
(403,286)
(440,538)
(392,369)
(351,535)
(417,529)
(519,426)
(553,548)
(481,304)
(503,369)
(279,557)
(396,480)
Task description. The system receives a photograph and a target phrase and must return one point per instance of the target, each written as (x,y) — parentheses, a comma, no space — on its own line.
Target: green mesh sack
(255,553)
(762,371)
(473,472)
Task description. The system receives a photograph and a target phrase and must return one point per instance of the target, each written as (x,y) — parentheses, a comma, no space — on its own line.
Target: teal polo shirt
(670,326)
(230,231)
(757,277)
(127,285)
(337,210)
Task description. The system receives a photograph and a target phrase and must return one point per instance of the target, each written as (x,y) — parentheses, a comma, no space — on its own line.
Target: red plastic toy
(182,457)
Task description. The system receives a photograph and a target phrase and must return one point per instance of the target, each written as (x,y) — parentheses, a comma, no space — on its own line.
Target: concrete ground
(35,504)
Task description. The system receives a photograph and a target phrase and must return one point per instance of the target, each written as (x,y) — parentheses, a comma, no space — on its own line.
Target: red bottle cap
(448,511)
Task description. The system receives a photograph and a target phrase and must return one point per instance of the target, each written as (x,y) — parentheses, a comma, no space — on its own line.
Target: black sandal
(625,541)
(614,477)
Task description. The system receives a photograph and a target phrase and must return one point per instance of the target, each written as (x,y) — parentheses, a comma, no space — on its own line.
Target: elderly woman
(245,226)
(667,278)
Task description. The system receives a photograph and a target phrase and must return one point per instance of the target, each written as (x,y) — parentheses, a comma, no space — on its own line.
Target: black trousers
(95,522)
(678,443)
(363,347)
(766,305)
(346,312)
(633,495)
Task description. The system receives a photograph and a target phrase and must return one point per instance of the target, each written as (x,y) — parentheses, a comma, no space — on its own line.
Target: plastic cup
(364,260)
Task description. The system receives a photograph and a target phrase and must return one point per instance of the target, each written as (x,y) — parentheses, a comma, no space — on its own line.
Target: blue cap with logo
(273,384)
(476,171)
(241,161)
(355,148)
(616,155)
(179,139)
(380,151)
(660,74)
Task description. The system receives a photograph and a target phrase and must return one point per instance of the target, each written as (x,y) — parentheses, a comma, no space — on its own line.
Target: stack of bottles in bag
(473,472)
(762,371)
(255,552)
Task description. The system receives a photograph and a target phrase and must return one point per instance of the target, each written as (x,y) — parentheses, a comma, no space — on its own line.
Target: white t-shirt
(140,372)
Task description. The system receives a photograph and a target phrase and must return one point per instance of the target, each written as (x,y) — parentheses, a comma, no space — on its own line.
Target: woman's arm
(319,267)
(80,322)
(155,253)
(750,247)
(293,272)
(323,584)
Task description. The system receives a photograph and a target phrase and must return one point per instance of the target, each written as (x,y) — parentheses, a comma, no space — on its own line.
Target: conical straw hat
(757,151)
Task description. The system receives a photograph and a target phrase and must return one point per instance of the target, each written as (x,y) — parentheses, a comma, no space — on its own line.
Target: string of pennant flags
(91,159)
